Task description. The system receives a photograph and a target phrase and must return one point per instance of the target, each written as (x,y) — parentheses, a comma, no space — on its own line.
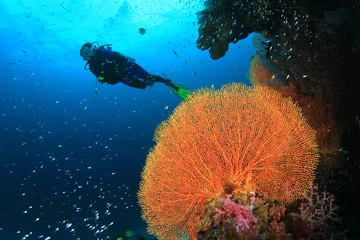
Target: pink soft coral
(242,216)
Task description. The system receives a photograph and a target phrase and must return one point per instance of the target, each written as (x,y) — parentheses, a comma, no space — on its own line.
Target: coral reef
(242,216)
(315,216)
(313,43)
(237,140)
(311,47)
(317,111)
(312,217)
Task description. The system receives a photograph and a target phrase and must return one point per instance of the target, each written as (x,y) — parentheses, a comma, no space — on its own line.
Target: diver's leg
(135,82)
(156,78)
(140,78)
(135,71)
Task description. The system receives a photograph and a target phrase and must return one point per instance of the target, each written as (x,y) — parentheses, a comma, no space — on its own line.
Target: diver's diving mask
(87,52)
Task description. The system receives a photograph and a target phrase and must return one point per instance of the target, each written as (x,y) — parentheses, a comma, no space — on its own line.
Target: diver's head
(87,51)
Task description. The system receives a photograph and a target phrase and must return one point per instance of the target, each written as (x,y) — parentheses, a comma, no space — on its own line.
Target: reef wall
(308,50)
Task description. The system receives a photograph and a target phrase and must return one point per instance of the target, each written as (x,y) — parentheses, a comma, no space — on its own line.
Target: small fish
(142,31)
(175,53)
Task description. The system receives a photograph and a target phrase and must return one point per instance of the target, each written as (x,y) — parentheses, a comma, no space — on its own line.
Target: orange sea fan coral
(236,139)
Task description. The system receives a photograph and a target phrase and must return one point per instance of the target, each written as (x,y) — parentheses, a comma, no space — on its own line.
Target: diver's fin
(181,91)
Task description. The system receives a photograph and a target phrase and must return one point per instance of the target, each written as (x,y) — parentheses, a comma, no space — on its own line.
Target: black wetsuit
(112,67)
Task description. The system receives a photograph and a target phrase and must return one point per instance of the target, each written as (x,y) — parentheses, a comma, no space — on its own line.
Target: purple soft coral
(242,215)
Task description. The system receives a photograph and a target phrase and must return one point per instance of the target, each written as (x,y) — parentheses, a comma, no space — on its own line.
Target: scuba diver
(112,67)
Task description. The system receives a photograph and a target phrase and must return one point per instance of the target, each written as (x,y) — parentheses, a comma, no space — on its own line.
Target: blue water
(70,164)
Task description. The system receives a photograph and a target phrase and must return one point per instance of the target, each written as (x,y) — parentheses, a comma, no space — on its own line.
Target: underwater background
(72,150)
(70,164)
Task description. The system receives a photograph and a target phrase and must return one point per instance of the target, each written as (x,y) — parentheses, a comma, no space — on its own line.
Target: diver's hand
(101,79)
